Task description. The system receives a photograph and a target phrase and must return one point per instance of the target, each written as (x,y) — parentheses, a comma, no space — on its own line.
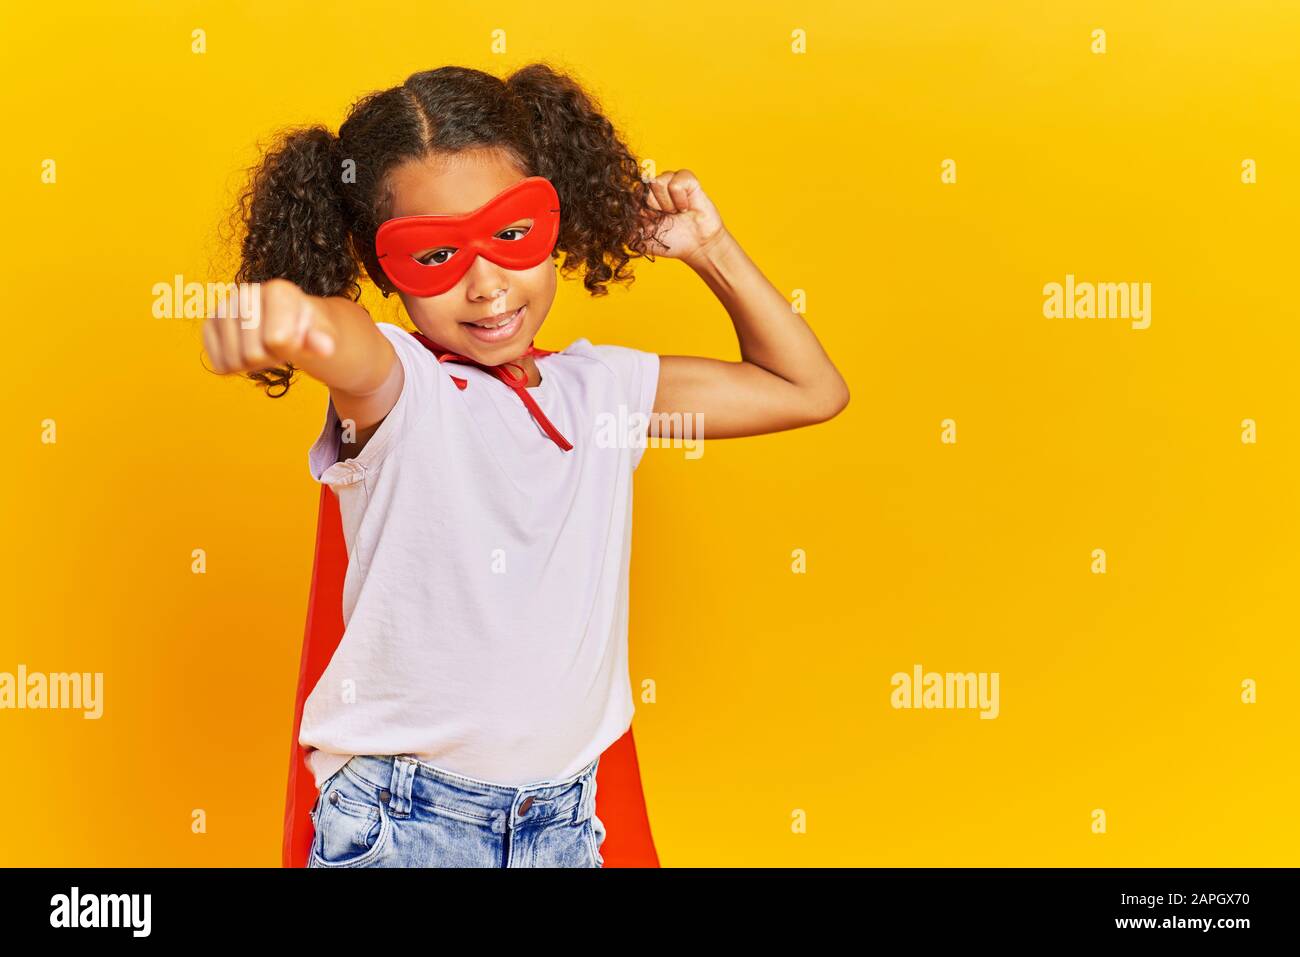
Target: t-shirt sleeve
(638,375)
(420,390)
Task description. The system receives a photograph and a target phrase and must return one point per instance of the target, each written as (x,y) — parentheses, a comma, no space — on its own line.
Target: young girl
(485,492)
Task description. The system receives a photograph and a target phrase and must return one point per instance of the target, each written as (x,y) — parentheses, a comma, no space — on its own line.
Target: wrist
(711,253)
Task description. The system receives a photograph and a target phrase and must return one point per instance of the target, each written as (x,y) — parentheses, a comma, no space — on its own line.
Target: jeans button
(384,795)
(334,797)
(528,802)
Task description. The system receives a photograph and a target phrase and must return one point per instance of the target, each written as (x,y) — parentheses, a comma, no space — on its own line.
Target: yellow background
(1118,691)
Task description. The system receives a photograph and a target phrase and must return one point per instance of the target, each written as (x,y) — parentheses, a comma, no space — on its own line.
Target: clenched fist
(268,323)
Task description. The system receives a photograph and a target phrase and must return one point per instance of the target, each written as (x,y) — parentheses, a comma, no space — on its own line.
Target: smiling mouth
(499,328)
(496,322)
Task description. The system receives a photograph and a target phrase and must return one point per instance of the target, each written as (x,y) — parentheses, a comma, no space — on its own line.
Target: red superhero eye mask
(472,234)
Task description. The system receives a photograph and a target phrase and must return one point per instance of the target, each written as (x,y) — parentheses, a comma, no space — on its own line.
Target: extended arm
(332,339)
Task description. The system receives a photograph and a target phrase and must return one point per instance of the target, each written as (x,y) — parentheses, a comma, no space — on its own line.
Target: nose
(486,280)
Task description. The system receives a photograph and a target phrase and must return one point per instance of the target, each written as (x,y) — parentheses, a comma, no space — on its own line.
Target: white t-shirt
(486,598)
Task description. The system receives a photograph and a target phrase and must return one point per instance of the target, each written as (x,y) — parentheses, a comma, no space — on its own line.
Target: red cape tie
(519,384)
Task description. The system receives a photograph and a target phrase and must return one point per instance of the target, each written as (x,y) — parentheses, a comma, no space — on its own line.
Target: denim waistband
(401,781)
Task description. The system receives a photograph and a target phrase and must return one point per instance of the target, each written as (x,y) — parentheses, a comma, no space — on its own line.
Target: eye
(522,230)
(428,258)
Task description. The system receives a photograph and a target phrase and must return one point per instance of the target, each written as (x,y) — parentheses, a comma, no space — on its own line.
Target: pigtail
(295,227)
(598,179)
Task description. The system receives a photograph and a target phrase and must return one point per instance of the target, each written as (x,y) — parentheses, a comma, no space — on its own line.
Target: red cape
(620,802)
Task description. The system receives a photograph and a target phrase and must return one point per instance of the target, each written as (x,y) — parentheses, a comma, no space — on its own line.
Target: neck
(530,366)
(524,360)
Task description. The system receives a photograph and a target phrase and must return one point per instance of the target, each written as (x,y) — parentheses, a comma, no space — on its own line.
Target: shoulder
(414,356)
(398,336)
(631,374)
(623,362)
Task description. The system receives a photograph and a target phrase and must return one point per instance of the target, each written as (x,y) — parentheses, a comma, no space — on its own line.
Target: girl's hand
(272,322)
(695,224)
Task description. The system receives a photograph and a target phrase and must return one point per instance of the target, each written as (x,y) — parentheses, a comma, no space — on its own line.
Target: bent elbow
(832,404)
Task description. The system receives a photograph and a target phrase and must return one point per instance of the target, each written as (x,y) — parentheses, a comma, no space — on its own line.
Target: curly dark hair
(305,220)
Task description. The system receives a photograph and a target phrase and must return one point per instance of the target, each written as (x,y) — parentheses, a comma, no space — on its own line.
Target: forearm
(361,361)
(771,334)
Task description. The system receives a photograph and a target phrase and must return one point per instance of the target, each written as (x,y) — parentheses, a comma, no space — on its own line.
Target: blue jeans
(396,811)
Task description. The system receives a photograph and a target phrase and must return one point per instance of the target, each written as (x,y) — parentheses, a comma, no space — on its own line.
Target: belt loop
(582,813)
(399,801)
(587,802)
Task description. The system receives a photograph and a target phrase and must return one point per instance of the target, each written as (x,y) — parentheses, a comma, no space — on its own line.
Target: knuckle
(275,335)
(255,356)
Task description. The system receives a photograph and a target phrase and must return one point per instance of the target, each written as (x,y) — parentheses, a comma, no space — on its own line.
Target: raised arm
(784,379)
